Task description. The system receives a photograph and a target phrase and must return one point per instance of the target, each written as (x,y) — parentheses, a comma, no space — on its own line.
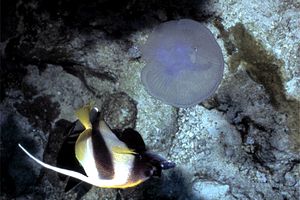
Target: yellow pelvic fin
(122,150)
(83,114)
(80,146)
(127,185)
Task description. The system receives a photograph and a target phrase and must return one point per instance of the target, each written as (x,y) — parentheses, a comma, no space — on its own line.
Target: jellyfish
(184,63)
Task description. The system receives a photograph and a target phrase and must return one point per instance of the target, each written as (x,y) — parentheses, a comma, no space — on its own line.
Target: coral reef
(242,143)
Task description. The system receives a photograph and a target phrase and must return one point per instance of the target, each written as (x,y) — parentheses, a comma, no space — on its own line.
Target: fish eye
(148,172)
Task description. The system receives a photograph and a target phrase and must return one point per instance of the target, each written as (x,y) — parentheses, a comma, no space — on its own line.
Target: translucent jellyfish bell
(184,63)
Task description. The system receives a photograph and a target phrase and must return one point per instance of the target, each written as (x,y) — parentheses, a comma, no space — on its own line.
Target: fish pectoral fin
(83,114)
(66,172)
(122,150)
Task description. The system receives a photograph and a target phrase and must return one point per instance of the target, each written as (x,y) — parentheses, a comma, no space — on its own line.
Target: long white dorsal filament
(60,170)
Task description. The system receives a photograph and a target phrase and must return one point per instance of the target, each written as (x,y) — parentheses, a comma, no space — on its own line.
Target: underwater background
(241,143)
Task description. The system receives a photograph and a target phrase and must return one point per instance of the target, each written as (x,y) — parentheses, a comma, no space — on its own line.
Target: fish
(110,159)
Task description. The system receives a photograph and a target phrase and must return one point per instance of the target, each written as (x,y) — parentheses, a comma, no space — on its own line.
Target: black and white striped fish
(110,159)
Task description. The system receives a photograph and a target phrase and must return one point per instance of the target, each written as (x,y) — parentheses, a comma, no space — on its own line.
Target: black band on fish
(102,156)
(132,139)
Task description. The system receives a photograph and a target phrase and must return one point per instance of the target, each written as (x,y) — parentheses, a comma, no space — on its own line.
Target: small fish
(110,159)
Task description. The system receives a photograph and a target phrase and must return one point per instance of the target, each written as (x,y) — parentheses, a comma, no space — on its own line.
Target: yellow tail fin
(83,114)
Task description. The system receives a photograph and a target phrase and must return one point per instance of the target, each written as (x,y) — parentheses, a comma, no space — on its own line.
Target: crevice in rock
(72,67)
(176,129)
(264,68)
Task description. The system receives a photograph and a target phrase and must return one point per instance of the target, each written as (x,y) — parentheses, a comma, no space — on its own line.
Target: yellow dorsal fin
(83,114)
(123,150)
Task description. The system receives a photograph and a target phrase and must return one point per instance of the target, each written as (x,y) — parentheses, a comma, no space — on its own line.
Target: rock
(120,111)
(104,194)
(19,173)
(211,190)
(278,33)
(290,179)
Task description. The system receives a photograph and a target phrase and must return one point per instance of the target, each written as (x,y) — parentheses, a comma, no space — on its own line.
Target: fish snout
(167,164)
